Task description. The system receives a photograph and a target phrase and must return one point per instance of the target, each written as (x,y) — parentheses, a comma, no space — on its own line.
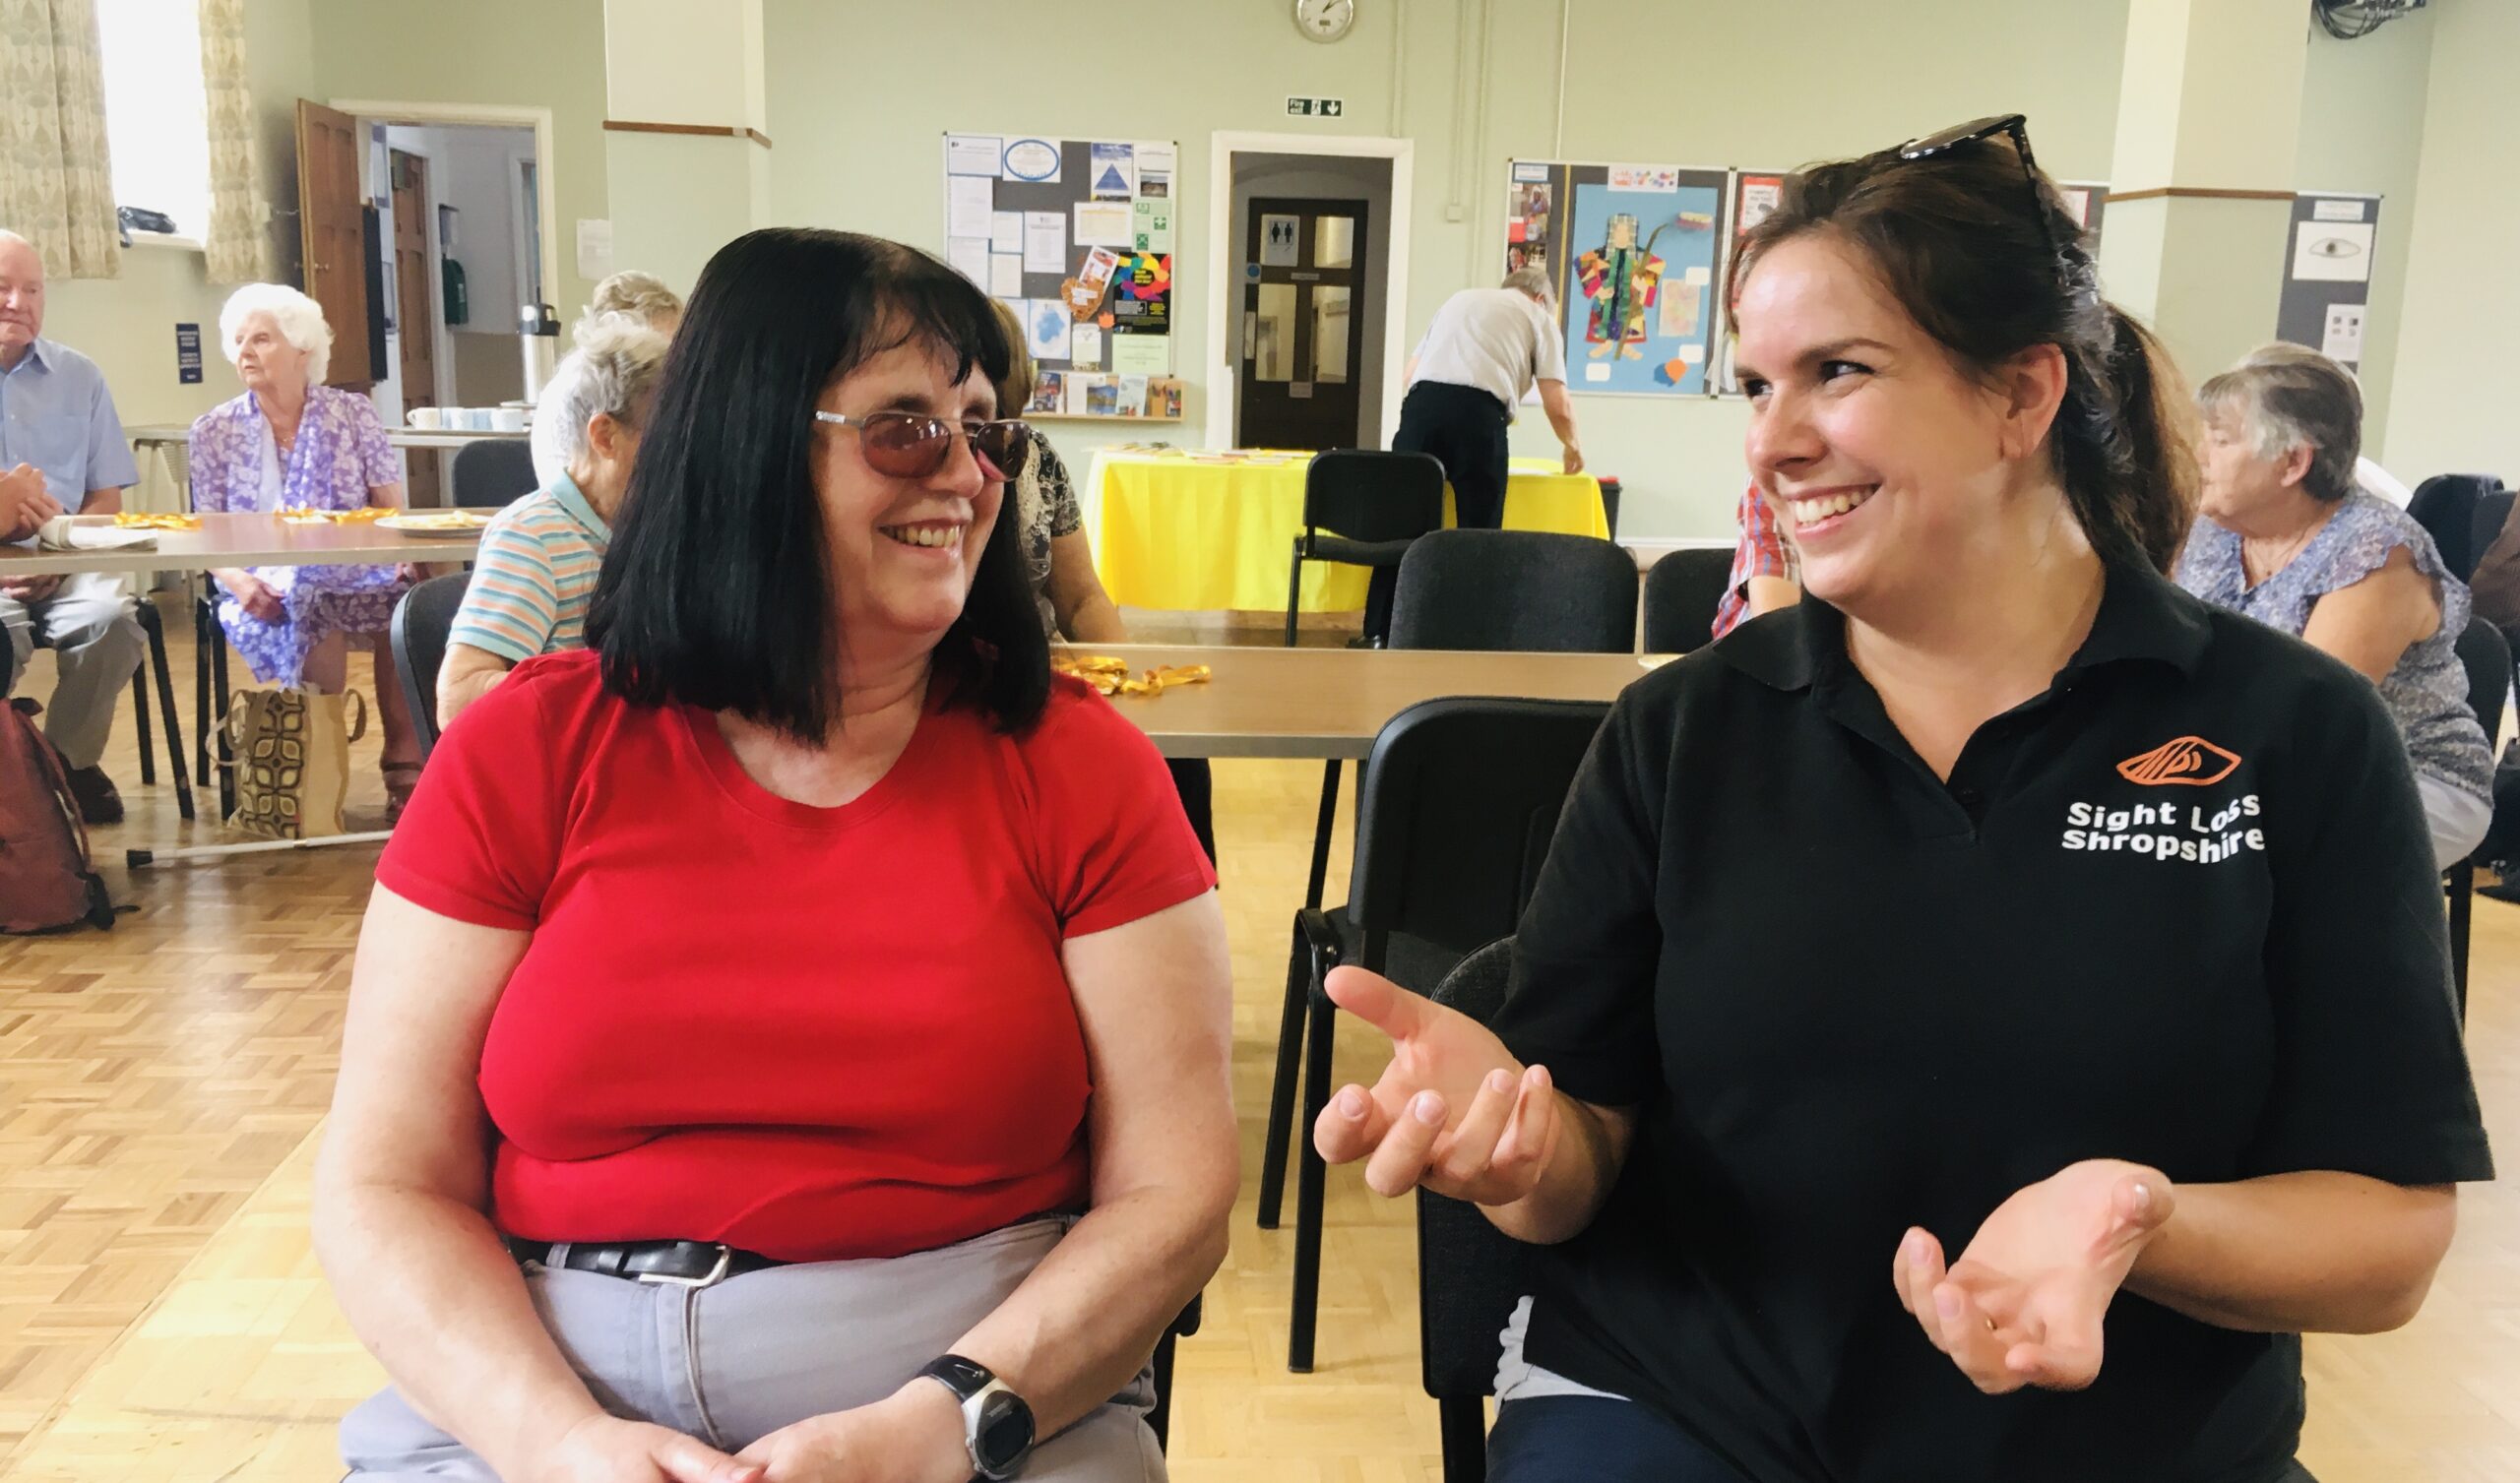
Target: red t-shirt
(814,1034)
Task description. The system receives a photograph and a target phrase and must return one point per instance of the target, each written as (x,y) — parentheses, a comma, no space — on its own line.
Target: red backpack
(45,876)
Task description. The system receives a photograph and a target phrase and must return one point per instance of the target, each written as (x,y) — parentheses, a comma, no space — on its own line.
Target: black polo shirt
(2180,909)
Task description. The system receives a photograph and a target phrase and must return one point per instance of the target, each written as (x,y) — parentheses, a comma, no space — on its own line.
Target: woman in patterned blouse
(290,442)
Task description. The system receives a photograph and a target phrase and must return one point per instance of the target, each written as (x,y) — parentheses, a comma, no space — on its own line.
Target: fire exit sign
(1316,107)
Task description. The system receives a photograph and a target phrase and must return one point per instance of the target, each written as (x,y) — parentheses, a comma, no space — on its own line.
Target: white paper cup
(425,418)
(509,420)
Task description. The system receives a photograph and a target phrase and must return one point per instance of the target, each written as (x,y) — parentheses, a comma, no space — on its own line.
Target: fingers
(1465,1154)
(1350,1127)
(1522,1153)
(2140,1206)
(1377,1000)
(1402,1155)
(688,1460)
(1913,1273)
(1969,1335)
(2053,1366)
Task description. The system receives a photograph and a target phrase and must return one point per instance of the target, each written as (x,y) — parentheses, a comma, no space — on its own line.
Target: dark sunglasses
(908,445)
(2015,124)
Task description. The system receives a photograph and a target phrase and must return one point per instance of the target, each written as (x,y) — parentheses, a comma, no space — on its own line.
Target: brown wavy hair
(1963,243)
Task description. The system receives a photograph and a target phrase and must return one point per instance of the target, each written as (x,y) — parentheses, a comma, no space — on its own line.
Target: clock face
(1325,19)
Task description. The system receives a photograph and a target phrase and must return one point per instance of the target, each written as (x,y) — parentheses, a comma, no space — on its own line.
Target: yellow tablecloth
(1186,532)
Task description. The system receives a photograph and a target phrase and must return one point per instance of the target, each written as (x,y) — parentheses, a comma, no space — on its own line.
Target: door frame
(1225,245)
(492,115)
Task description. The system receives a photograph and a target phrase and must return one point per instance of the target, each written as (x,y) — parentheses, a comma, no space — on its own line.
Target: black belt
(678,1263)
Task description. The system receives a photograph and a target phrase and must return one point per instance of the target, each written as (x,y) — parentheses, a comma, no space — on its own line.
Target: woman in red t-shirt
(788,1038)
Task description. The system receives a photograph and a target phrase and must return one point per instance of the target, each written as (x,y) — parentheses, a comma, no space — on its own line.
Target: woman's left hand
(913,1435)
(2024,1304)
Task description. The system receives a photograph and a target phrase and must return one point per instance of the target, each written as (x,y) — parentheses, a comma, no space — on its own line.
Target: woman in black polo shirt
(1998,953)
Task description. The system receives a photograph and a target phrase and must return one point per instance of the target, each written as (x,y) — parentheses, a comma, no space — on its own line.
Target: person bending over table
(788,1038)
(1969,1023)
(2290,540)
(293,443)
(536,569)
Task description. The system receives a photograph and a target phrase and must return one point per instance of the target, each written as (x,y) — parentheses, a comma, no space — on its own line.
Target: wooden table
(1331,702)
(250,540)
(177,434)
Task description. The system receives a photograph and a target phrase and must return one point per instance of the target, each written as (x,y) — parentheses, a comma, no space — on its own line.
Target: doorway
(1301,384)
(1330,374)
(414,266)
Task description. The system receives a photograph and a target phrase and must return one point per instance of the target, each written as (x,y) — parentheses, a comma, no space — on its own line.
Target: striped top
(535,575)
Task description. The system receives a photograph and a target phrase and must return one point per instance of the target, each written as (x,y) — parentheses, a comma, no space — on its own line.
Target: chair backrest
(1682,590)
(2446,506)
(1454,814)
(421,621)
(493,473)
(2487,656)
(2493,511)
(1365,495)
(1515,590)
(1470,1273)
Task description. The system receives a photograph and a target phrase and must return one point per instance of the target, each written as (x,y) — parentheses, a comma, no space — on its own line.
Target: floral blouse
(340,454)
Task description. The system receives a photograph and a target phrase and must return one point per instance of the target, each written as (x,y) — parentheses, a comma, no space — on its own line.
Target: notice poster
(1103,224)
(1045,329)
(973,153)
(1151,226)
(1142,295)
(1141,354)
(1529,207)
(1044,242)
(970,206)
(1627,243)
(1115,172)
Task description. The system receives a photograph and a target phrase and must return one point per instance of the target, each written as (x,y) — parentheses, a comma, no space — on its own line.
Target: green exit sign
(1316,107)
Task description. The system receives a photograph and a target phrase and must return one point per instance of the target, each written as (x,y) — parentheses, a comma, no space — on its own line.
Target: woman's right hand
(1454,1112)
(260,600)
(605,1449)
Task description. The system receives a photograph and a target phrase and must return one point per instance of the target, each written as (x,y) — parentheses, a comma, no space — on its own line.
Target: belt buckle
(715,1276)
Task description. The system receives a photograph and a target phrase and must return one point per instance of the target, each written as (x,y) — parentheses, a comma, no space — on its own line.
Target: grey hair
(2289,397)
(1534,281)
(611,373)
(300,320)
(641,293)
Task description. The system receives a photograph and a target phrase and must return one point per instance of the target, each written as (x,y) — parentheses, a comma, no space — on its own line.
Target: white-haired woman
(291,442)
(641,296)
(535,573)
(2290,540)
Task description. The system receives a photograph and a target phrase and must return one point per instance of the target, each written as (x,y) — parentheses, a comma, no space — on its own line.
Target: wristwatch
(997,1426)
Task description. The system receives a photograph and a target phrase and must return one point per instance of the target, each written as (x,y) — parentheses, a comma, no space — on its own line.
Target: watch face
(1004,1434)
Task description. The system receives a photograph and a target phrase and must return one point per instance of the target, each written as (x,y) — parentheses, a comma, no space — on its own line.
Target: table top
(151,433)
(250,540)
(1331,702)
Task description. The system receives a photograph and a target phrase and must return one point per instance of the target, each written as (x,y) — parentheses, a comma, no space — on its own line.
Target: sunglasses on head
(2015,124)
(908,445)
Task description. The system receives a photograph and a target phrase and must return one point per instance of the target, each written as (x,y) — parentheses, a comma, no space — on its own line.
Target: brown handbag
(292,760)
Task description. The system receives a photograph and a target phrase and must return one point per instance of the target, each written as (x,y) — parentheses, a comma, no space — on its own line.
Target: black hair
(718,590)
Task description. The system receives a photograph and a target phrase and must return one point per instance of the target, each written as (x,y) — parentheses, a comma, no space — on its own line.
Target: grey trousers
(732,1363)
(98,642)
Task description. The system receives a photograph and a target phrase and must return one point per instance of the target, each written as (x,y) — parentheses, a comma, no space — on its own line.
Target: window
(156,122)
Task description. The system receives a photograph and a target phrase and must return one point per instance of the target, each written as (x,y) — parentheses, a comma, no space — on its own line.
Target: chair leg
(1323,819)
(218,722)
(1281,1085)
(2463,901)
(140,717)
(1294,587)
(205,627)
(1310,1175)
(164,676)
(1462,1420)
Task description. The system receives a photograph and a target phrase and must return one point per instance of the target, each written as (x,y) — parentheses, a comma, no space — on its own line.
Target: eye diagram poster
(2327,276)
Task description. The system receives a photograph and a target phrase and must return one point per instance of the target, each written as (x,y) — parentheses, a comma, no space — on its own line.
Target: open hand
(1453,1112)
(913,1435)
(605,1449)
(2024,1304)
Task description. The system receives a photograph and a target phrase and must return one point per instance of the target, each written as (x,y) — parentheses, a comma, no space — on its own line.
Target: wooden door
(1301,385)
(416,324)
(333,229)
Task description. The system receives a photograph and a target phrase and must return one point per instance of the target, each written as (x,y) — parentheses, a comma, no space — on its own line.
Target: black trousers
(1464,427)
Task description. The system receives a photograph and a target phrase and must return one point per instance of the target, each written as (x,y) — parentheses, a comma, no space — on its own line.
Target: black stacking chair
(1454,814)
(1159,1419)
(154,628)
(2493,511)
(1516,591)
(2446,506)
(1469,1275)
(2488,660)
(1364,508)
(422,622)
(492,473)
(1682,590)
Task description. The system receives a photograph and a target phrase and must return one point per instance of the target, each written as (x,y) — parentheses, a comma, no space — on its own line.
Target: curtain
(56,180)
(237,245)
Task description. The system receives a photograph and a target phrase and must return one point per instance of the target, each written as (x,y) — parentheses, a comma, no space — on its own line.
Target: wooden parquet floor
(161,1317)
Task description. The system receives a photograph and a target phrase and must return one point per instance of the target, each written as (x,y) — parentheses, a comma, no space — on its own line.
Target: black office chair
(1454,814)
(2446,506)
(2488,660)
(1469,1275)
(1363,509)
(1516,591)
(422,622)
(492,473)
(1682,590)
(2493,511)
(1159,1419)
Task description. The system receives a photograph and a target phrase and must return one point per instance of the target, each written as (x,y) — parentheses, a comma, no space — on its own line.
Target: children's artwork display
(1077,238)
(1635,253)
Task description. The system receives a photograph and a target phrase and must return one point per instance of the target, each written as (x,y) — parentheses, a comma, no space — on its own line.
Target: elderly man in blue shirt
(62,451)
